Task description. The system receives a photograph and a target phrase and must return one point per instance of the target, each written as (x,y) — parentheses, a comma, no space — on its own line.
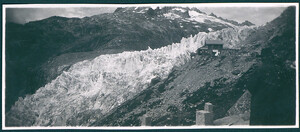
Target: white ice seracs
(108,80)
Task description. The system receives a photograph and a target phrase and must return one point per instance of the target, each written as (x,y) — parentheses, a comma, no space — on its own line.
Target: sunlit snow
(171,15)
(179,9)
(200,17)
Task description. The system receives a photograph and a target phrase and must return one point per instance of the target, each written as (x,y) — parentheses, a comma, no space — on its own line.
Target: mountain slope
(36,52)
(272,81)
(103,83)
(266,66)
(173,101)
(274,93)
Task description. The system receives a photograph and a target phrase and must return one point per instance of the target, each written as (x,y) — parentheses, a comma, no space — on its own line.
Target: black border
(150,2)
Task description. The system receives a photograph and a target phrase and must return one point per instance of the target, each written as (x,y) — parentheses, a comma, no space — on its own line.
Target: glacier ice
(108,80)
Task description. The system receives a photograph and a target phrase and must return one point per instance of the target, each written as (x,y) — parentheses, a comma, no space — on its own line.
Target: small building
(214,44)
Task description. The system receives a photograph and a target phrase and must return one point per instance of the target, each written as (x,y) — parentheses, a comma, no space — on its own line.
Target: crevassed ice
(108,80)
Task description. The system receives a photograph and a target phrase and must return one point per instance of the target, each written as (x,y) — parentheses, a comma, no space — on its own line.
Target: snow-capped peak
(202,18)
(179,9)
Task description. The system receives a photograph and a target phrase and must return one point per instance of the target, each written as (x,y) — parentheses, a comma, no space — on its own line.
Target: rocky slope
(272,82)
(266,66)
(37,52)
(173,101)
(274,93)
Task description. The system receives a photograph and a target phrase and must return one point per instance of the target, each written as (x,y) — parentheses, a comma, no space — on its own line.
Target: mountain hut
(214,44)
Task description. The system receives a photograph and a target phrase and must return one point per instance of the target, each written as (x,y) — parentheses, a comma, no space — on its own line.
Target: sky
(257,15)
(24,15)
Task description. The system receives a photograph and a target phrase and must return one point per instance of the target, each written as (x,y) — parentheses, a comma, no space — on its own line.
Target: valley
(114,68)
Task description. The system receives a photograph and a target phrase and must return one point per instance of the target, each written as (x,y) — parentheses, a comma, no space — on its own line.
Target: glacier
(107,81)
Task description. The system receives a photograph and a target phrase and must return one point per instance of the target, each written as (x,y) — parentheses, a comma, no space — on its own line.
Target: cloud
(24,15)
(256,15)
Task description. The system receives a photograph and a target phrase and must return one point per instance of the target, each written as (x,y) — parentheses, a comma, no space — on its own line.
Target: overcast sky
(256,15)
(24,15)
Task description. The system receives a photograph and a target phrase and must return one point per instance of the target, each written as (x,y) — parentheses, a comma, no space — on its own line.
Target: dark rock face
(239,113)
(242,105)
(273,83)
(247,23)
(212,14)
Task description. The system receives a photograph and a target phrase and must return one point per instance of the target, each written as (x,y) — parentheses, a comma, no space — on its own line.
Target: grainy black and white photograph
(150,65)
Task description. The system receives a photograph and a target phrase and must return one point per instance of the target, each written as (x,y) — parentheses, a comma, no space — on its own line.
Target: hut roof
(214,42)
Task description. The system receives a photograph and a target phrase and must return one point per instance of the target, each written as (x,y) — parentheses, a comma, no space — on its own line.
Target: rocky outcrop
(239,113)
(242,105)
(273,81)
(240,119)
(247,23)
